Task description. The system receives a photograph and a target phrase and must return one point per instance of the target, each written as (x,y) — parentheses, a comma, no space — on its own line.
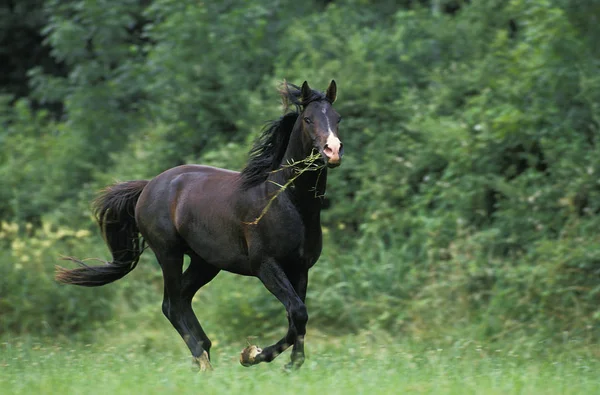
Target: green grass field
(349,365)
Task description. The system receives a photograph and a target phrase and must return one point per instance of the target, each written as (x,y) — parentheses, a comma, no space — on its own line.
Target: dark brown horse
(217,217)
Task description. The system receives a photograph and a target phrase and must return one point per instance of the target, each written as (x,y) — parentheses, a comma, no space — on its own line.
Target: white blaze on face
(333,144)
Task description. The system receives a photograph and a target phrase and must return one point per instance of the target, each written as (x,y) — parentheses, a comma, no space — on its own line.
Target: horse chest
(312,245)
(289,239)
(305,245)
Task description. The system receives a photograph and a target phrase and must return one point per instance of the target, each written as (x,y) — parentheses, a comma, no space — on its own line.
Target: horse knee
(299,316)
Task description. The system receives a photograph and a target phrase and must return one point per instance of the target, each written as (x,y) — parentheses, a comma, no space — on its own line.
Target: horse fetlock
(249,354)
(203,362)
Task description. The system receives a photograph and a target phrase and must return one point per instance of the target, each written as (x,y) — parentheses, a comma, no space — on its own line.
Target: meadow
(367,363)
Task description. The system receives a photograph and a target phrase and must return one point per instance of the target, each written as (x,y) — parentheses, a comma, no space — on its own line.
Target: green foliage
(28,143)
(469,140)
(468,200)
(21,46)
(30,300)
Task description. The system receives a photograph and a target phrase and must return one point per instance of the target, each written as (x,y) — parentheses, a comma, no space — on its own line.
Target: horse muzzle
(333,150)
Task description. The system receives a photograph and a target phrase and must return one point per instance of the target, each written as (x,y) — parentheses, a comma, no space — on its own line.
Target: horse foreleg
(292,297)
(300,281)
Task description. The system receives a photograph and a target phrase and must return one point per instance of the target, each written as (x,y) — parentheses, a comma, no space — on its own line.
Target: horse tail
(114,210)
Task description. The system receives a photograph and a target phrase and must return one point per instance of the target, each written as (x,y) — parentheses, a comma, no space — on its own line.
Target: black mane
(268,150)
(292,95)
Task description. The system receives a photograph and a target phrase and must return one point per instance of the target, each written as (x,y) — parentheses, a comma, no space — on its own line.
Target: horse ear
(305,91)
(331,91)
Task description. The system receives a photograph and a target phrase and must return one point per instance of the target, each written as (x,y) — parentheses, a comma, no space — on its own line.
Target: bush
(468,200)
(30,300)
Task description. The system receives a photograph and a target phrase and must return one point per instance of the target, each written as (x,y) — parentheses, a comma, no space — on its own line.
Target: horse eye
(339,119)
(307,120)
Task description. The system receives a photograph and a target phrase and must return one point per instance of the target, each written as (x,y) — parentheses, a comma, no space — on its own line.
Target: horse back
(186,202)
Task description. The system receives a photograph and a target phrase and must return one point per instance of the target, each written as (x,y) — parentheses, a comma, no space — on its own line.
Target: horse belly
(225,253)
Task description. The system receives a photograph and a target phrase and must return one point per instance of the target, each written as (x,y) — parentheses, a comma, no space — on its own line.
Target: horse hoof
(248,355)
(203,362)
(291,367)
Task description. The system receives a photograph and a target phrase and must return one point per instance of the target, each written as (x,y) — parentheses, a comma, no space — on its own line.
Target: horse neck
(307,189)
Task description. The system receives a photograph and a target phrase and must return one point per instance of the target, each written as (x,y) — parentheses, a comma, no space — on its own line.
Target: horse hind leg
(198,274)
(179,311)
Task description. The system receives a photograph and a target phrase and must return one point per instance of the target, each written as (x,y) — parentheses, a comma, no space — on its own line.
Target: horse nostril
(327,150)
(341,151)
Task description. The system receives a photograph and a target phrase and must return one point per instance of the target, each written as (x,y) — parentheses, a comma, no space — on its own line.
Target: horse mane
(268,150)
(292,95)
